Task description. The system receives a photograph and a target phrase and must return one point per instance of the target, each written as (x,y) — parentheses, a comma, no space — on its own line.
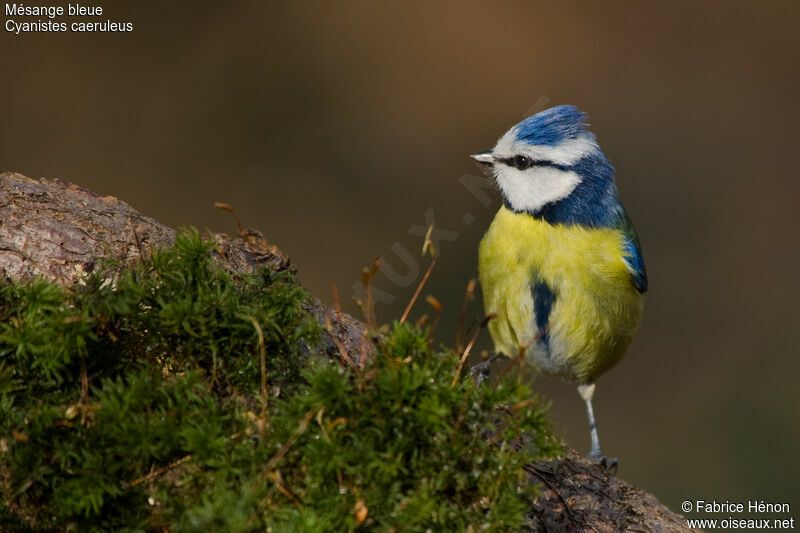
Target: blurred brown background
(334,129)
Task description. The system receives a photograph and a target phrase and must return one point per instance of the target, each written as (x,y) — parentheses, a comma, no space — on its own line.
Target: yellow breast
(596,309)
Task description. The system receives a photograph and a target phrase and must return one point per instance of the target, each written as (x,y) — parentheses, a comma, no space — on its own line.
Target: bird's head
(548,158)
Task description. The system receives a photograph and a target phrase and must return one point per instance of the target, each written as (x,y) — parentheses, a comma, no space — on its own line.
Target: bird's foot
(481,371)
(608,463)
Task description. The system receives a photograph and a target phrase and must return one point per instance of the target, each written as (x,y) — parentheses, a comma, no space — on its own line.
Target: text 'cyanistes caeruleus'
(561,266)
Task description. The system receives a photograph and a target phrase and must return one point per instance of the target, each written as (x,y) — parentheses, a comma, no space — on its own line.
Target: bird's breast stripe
(543,300)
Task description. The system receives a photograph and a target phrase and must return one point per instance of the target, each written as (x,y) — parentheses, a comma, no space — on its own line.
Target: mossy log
(60,231)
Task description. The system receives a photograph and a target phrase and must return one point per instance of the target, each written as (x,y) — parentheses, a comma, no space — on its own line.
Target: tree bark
(60,231)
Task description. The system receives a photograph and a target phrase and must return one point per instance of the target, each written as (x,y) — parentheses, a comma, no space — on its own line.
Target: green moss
(132,403)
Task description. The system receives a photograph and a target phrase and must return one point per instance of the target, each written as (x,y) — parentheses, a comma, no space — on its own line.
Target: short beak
(484,158)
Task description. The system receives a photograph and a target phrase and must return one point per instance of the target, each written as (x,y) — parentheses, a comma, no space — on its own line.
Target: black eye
(522,162)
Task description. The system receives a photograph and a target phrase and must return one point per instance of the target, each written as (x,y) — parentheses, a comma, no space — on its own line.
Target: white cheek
(530,190)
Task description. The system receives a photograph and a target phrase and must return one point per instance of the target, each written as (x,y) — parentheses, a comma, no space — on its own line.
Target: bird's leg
(587,391)
(481,370)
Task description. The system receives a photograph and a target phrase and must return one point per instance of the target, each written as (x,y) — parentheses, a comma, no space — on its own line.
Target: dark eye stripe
(514,162)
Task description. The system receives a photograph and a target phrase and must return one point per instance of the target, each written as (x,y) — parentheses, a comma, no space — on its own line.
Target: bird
(560,267)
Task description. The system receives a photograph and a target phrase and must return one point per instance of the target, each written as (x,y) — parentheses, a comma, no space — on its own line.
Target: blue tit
(560,266)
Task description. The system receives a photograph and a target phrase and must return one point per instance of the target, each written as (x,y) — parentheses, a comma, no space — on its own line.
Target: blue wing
(635,264)
(633,251)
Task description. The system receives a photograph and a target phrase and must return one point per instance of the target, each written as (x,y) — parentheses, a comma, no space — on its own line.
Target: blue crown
(552,126)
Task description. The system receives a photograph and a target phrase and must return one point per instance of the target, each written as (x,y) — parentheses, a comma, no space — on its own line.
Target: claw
(610,464)
(481,371)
